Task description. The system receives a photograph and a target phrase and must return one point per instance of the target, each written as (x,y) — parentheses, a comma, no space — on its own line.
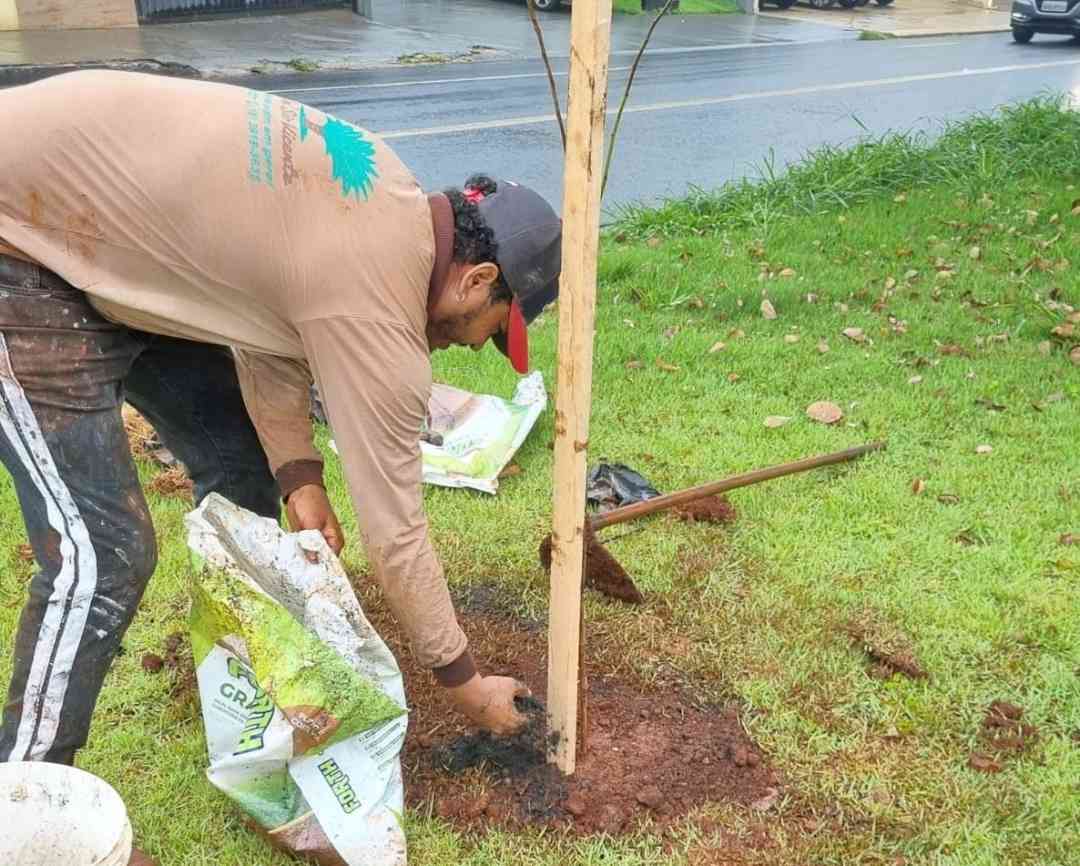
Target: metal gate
(171,10)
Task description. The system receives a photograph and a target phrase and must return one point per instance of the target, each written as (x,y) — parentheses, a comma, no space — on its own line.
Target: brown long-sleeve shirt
(224,215)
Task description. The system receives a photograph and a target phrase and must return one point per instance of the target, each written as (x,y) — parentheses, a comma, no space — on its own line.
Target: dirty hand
(488,702)
(309,507)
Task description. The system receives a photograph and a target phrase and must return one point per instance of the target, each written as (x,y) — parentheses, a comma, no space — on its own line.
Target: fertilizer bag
(303,704)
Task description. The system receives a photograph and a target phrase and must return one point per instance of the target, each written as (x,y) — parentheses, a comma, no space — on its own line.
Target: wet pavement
(401,31)
(903,18)
(696,118)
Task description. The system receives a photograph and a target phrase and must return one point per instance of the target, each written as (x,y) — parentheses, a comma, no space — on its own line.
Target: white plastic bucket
(54,815)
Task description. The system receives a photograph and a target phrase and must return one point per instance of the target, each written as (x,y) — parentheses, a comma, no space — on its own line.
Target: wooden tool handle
(659,503)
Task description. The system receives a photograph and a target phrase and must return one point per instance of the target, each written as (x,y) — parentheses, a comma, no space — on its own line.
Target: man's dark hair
(474,241)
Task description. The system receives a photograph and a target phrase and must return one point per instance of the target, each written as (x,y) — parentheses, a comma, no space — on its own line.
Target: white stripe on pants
(74,586)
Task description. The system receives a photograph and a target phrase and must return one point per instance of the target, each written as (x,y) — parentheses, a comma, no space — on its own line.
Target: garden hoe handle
(681,497)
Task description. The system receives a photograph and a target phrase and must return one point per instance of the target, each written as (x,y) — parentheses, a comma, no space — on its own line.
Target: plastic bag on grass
(479,433)
(303,704)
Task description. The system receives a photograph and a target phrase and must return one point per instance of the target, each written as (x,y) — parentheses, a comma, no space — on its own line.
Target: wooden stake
(590,41)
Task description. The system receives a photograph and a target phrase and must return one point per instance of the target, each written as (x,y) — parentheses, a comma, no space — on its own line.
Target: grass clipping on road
(927,291)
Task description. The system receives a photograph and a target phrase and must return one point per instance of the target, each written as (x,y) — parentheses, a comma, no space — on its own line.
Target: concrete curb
(13,74)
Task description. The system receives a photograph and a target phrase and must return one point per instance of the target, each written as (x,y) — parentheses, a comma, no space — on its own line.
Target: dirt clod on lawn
(1003,731)
(152,663)
(141,435)
(179,661)
(173,482)
(603,572)
(1003,735)
(711,509)
(652,754)
(890,650)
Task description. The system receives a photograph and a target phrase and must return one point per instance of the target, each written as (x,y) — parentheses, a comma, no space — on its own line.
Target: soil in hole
(652,755)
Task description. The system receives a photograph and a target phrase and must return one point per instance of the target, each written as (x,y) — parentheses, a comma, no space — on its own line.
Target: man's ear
(478,280)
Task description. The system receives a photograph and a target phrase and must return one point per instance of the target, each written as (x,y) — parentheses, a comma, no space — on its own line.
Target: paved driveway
(902,18)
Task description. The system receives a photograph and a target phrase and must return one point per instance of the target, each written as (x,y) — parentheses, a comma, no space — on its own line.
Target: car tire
(861,3)
(847,4)
(822,4)
(1022,35)
(883,2)
(784,4)
(547,5)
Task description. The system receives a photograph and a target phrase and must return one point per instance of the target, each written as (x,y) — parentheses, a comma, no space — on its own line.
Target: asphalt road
(697,116)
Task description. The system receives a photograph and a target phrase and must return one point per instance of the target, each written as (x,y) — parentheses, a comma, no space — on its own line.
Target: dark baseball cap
(529,238)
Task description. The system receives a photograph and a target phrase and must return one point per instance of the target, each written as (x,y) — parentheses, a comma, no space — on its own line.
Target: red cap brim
(517,339)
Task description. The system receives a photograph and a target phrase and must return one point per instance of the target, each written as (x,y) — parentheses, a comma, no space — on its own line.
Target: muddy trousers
(65,372)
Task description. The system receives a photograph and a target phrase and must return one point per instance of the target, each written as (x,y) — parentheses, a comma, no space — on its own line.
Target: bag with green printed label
(303,704)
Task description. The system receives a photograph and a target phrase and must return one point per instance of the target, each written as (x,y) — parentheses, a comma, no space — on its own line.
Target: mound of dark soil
(650,755)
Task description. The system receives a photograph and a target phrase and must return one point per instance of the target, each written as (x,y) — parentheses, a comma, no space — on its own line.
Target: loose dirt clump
(602,570)
(651,754)
(180,663)
(1003,731)
(889,649)
(173,483)
(1003,734)
(152,663)
(711,509)
(141,435)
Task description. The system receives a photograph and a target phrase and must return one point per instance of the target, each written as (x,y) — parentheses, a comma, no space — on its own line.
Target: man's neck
(442,223)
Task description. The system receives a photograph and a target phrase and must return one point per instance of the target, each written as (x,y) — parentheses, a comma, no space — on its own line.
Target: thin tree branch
(550,74)
(626,94)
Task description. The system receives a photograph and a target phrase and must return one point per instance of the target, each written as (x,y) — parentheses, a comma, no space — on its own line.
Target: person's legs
(63,441)
(190,394)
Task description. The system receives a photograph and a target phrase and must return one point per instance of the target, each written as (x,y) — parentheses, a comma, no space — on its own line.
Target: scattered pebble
(575,805)
(650,797)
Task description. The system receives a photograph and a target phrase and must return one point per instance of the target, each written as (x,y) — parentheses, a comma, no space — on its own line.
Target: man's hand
(488,702)
(309,507)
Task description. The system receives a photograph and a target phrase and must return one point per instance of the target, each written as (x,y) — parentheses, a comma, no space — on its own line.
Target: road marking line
(427,81)
(927,45)
(511,76)
(533,119)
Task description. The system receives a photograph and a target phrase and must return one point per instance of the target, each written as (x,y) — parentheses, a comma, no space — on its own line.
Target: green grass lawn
(955,279)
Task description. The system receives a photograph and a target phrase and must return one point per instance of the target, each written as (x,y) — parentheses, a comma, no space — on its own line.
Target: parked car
(1045,16)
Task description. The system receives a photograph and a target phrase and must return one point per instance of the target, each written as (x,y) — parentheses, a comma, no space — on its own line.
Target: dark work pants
(65,372)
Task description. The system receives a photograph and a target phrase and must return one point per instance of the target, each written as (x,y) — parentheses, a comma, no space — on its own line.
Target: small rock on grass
(774,421)
(856,335)
(984,449)
(768,311)
(765,803)
(824,412)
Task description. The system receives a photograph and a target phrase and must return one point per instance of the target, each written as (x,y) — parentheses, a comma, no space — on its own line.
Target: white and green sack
(303,703)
